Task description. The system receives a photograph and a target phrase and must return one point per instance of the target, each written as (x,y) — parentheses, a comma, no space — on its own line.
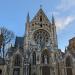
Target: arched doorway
(69,65)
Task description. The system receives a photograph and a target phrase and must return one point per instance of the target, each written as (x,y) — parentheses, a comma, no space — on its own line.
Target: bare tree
(7,36)
(1,40)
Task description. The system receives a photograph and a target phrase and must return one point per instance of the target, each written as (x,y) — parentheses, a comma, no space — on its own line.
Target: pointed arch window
(69,66)
(40,18)
(34,58)
(68,61)
(17,61)
(45,57)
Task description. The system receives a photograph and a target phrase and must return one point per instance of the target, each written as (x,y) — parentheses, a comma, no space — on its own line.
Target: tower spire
(28,18)
(53,20)
(28,24)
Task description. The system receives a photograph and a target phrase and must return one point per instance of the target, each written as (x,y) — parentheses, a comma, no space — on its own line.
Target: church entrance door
(45,70)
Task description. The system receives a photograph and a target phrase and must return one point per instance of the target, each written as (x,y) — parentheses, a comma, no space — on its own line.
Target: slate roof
(19,42)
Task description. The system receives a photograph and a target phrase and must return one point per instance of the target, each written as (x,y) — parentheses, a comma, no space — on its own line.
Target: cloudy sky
(13,16)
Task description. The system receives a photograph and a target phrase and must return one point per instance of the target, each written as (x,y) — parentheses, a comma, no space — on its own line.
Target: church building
(37,52)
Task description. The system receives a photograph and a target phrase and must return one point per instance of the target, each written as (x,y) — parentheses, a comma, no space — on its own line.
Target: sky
(13,15)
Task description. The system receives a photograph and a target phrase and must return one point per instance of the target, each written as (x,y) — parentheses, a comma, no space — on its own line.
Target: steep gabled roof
(42,13)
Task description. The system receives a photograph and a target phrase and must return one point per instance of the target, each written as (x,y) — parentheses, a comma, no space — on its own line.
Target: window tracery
(41,37)
(34,58)
(17,61)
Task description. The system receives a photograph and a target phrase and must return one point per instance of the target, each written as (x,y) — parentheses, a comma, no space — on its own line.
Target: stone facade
(37,53)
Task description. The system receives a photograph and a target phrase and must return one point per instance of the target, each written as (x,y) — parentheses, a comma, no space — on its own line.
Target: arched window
(0,72)
(34,58)
(17,61)
(68,62)
(40,18)
(68,66)
(45,57)
(42,58)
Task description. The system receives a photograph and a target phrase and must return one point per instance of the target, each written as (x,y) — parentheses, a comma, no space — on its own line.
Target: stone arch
(69,65)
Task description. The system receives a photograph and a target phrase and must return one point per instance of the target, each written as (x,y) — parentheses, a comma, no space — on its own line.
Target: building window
(32,24)
(45,56)
(0,72)
(40,25)
(17,61)
(45,59)
(34,58)
(42,58)
(68,66)
(68,62)
(16,71)
(40,18)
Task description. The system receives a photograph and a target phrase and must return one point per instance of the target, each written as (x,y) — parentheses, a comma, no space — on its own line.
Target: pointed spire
(28,24)
(53,20)
(65,49)
(28,18)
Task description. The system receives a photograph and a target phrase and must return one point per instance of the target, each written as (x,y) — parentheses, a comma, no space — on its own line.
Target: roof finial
(53,20)
(28,17)
(40,6)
